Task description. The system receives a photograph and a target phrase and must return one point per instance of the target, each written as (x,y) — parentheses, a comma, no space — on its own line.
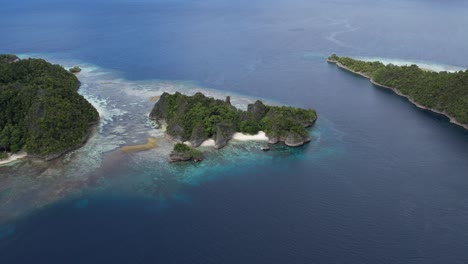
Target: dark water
(386,184)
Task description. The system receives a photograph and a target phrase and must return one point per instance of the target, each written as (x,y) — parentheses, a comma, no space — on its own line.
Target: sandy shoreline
(208,143)
(14,157)
(452,119)
(260,136)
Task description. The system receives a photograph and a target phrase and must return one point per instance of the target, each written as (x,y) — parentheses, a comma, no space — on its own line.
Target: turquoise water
(381,182)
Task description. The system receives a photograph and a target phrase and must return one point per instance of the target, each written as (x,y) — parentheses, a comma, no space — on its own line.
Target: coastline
(260,136)
(23,155)
(411,100)
(13,157)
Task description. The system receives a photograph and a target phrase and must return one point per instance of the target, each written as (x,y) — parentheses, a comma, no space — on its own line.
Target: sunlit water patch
(102,167)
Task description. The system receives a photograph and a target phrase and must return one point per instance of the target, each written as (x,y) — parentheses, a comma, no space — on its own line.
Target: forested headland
(41,111)
(442,92)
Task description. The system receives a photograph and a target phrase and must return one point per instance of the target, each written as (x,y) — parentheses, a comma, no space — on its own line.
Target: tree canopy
(41,110)
(443,91)
(200,117)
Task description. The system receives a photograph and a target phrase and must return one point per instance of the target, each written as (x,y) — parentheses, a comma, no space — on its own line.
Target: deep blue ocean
(382,181)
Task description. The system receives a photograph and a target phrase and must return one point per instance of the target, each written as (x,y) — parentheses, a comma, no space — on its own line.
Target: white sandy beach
(208,143)
(260,136)
(13,157)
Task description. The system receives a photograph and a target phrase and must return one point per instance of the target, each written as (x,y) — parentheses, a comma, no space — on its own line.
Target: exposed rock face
(179,156)
(224,132)
(295,140)
(258,110)
(176,131)
(273,140)
(75,69)
(182,152)
(8,58)
(198,135)
(161,108)
(307,123)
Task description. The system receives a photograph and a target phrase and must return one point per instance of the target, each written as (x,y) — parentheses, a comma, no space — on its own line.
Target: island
(75,69)
(197,118)
(182,152)
(41,111)
(440,92)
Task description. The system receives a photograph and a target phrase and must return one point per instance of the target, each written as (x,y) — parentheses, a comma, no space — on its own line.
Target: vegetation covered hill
(197,118)
(182,152)
(41,110)
(441,91)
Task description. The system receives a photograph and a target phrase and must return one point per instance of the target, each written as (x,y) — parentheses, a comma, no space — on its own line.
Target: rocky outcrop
(161,108)
(224,132)
(258,110)
(295,140)
(273,140)
(182,152)
(176,131)
(307,122)
(198,135)
(179,156)
(8,58)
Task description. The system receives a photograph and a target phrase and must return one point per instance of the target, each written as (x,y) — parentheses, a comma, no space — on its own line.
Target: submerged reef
(198,118)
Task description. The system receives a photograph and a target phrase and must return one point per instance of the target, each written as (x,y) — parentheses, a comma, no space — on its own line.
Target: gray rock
(258,110)
(224,132)
(295,140)
(273,140)
(307,123)
(178,156)
(198,135)
(176,131)
(160,109)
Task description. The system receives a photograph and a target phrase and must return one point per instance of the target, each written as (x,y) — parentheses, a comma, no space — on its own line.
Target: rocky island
(182,152)
(75,69)
(444,93)
(197,118)
(41,111)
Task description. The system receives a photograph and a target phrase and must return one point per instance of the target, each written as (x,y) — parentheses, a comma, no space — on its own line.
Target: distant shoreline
(411,100)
